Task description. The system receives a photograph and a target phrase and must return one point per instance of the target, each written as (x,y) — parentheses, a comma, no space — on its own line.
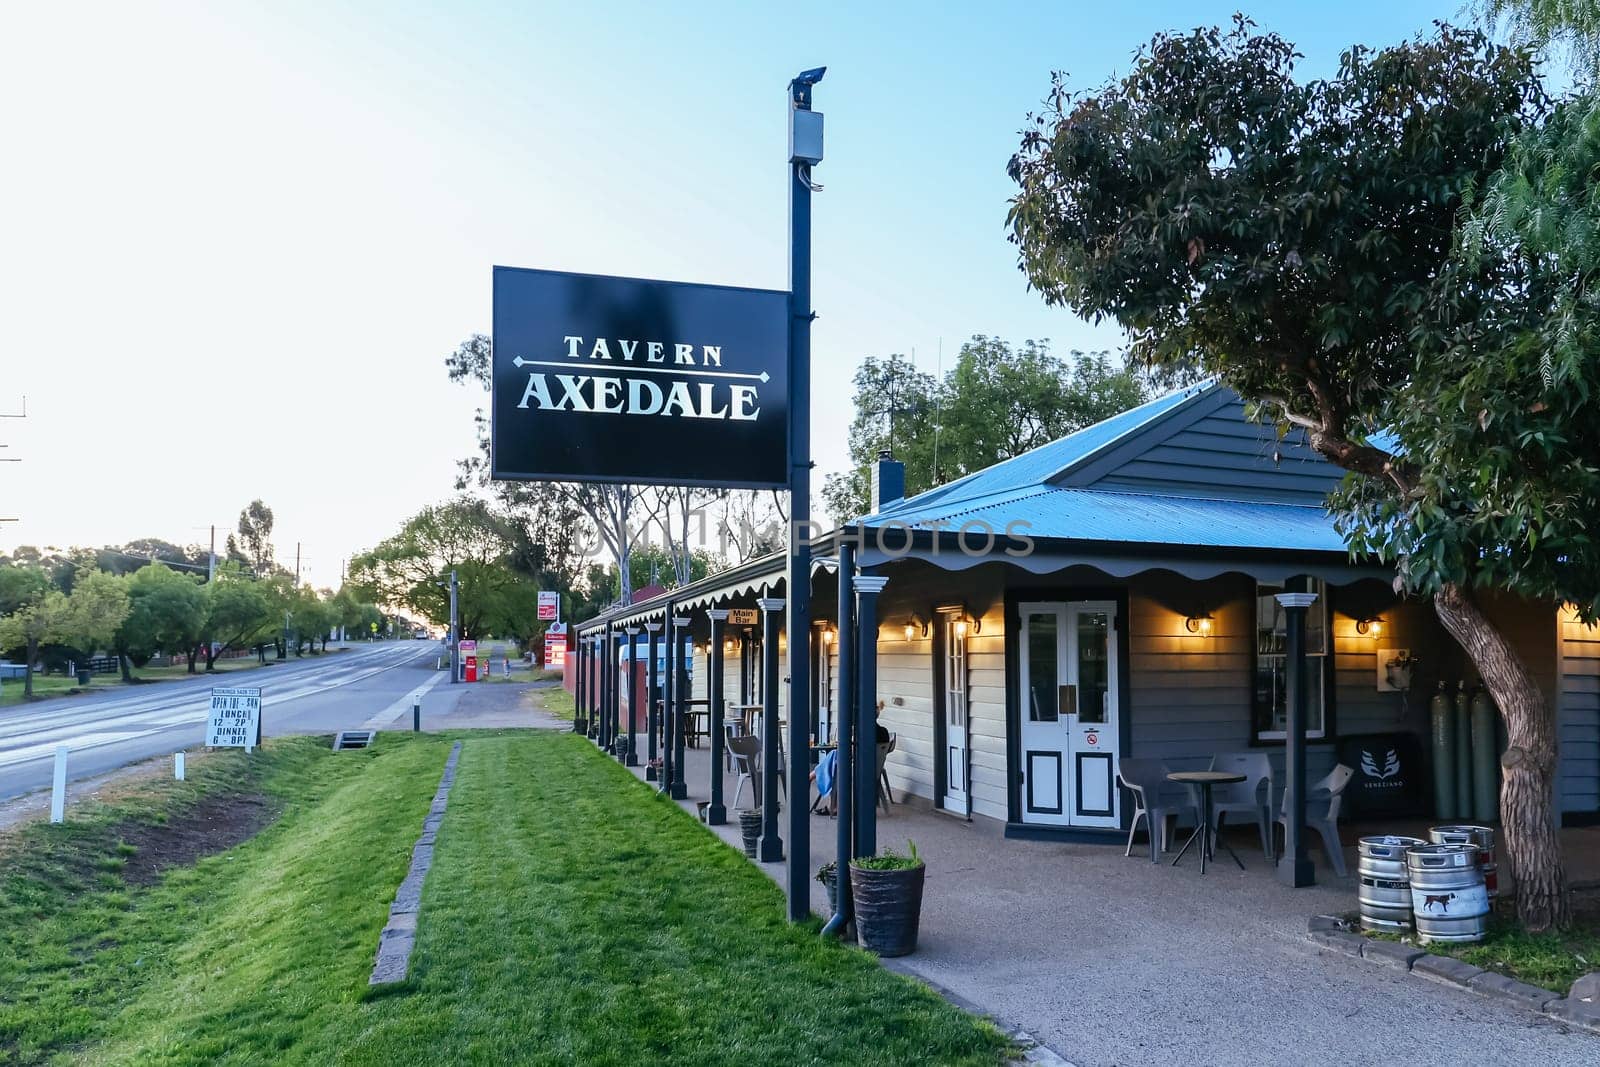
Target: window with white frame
(1271,715)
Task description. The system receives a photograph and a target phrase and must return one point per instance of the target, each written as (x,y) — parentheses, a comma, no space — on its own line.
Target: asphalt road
(367,685)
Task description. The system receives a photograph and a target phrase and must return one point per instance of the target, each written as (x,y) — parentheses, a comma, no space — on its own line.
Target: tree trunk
(190,658)
(27,678)
(211,657)
(1527,793)
(122,661)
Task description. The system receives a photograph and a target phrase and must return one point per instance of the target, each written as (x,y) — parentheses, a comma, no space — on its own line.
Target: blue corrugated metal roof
(1035,467)
(1140,518)
(1018,493)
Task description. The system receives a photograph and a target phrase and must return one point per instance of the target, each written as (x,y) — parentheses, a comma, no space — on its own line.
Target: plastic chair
(1145,778)
(745,751)
(1246,796)
(1325,821)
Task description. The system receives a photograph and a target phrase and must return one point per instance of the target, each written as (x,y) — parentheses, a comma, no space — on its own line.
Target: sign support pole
(798,586)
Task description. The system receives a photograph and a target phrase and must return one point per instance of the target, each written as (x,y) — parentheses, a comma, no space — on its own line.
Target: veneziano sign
(604,379)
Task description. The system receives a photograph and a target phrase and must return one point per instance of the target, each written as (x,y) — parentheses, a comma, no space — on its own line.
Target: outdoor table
(693,731)
(747,715)
(1208,837)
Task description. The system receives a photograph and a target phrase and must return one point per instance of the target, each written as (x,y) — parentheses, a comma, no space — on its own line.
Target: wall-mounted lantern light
(827,635)
(1372,627)
(914,626)
(1199,624)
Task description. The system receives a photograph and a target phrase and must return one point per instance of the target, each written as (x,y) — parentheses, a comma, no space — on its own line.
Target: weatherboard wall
(1579,715)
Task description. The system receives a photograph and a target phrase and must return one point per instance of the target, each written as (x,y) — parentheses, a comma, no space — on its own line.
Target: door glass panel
(1094,678)
(1042,668)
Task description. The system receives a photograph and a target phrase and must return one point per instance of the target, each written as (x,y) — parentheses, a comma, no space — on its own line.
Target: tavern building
(1139,619)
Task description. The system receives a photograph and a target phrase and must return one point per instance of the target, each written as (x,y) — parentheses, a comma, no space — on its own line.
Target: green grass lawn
(557,702)
(570,917)
(1551,960)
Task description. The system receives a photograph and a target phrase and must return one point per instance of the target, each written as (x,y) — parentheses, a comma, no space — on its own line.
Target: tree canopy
(1301,241)
(998,400)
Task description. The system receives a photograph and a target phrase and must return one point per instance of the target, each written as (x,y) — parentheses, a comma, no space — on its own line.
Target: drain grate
(347,739)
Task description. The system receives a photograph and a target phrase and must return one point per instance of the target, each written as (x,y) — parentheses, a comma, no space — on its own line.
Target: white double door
(1067,659)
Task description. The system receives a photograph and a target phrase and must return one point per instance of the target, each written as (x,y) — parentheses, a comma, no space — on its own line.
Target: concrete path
(1110,960)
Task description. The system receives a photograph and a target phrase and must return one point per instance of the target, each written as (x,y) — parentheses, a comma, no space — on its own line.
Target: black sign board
(1390,778)
(600,379)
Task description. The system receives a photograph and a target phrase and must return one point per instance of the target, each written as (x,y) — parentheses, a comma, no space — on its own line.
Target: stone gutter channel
(398,937)
(1580,1008)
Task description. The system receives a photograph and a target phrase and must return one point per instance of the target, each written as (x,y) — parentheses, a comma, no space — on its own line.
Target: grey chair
(885,798)
(1145,779)
(1252,797)
(745,750)
(1322,814)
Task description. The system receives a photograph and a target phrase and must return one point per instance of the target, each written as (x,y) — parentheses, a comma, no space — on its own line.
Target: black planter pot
(888,908)
(750,829)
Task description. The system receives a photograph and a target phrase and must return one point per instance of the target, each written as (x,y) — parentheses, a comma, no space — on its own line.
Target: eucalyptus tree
(1299,239)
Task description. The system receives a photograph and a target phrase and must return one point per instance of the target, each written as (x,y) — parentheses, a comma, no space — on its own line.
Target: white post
(58,787)
(177,766)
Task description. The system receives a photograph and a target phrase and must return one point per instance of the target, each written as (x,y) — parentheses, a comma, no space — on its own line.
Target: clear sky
(237,240)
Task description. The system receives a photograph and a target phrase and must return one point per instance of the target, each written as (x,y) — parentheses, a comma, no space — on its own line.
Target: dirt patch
(214,825)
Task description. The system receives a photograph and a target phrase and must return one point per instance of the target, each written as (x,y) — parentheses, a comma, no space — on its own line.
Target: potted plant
(828,875)
(887,890)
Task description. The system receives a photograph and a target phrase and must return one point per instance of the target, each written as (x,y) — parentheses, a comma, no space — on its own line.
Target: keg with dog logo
(1483,838)
(1385,893)
(1448,901)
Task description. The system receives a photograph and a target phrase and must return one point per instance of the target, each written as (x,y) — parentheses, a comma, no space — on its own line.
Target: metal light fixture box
(805,137)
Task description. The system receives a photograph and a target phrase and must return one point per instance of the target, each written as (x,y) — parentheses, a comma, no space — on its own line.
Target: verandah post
(680,708)
(866,799)
(580,716)
(669,697)
(630,755)
(716,811)
(652,699)
(1294,869)
(844,727)
(604,709)
(591,665)
(771,843)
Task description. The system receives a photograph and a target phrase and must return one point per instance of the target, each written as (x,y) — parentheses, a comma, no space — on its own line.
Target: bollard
(177,766)
(416,716)
(58,787)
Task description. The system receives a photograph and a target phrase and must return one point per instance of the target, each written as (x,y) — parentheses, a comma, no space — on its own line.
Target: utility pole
(211,567)
(297,564)
(455,635)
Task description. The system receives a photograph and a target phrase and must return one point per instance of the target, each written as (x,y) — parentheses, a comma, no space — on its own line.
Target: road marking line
(400,707)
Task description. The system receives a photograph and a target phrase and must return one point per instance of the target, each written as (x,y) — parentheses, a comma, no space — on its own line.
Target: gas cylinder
(1442,718)
(1463,703)
(1485,762)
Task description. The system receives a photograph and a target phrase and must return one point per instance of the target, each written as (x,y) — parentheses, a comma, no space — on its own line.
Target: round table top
(1206,777)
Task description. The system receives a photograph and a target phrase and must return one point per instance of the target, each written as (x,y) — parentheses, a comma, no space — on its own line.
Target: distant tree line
(150,596)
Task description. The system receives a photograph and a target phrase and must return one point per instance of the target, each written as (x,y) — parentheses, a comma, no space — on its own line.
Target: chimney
(888,480)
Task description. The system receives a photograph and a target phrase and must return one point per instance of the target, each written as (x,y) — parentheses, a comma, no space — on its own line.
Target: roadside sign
(606,379)
(234,720)
(744,617)
(549,606)
(555,651)
(469,660)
